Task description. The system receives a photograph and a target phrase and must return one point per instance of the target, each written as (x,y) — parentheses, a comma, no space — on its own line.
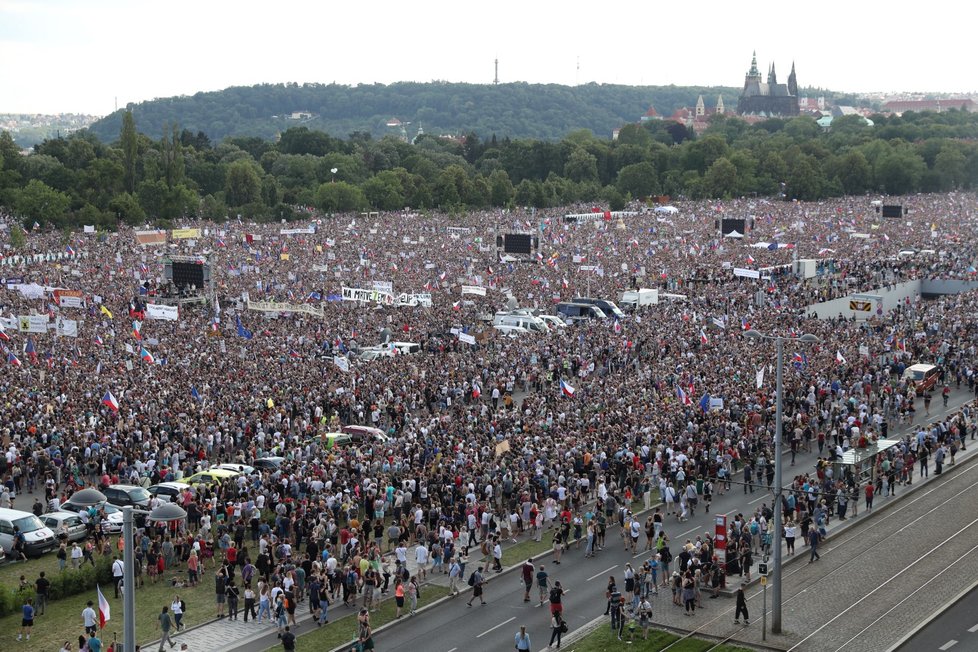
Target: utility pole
(495,80)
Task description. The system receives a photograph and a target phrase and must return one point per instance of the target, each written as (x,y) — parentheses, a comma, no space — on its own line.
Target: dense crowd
(481,437)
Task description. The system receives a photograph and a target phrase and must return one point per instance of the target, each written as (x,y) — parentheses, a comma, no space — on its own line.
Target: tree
(899,172)
(853,173)
(720,179)
(950,166)
(243,183)
(127,208)
(581,166)
(384,191)
(638,180)
(41,203)
(340,197)
(130,151)
(501,190)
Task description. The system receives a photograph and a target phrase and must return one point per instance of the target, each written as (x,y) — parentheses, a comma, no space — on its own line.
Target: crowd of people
(483,441)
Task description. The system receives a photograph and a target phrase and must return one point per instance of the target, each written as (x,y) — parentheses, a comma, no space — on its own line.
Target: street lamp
(166,512)
(776,562)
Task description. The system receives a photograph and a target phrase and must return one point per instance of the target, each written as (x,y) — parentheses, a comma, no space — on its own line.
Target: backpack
(472,579)
(554,596)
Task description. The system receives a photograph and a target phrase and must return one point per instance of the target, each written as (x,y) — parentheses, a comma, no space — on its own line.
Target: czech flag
(703,338)
(30,349)
(683,396)
(12,359)
(69,250)
(839,358)
(135,330)
(566,389)
(4,336)
(750,259)
(146,355)
(109,401)
(104,612)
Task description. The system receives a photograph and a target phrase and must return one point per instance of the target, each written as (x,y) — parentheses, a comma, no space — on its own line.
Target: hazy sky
(79,55)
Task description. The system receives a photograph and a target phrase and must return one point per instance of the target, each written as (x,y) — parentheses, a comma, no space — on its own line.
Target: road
(453,627)
(955,629)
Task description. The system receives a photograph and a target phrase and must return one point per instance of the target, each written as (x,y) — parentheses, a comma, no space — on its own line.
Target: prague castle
(769,99)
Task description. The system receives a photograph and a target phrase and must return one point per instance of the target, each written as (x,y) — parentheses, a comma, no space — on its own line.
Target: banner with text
(161,312)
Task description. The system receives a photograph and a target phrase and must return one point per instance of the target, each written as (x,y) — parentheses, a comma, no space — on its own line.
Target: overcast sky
(80,55)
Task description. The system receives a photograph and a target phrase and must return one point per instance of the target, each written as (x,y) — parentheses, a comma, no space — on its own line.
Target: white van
(38,538)
(632,299)
(523,320)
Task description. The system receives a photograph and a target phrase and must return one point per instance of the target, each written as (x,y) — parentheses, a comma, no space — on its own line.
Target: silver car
(67,526)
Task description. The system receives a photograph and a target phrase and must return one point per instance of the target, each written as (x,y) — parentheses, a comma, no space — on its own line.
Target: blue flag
(242,331)
(194,393)
(705,403)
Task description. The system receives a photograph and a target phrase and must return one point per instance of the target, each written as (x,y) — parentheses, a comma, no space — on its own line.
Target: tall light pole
(166,512)
(778,528)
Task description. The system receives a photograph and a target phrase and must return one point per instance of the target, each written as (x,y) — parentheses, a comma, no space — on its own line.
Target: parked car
(243,469)
(111,515)
(38,538)
(268,463)
(365,434)
(168,491)
(126,495)
(210,477)
(67,526)
(607,307)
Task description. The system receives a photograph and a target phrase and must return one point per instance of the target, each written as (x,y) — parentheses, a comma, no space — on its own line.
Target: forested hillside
(518,110)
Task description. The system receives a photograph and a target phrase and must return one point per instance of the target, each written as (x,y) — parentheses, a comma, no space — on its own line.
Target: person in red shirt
(870,490)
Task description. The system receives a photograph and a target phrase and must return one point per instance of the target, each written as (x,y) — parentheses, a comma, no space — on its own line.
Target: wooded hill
(517,110)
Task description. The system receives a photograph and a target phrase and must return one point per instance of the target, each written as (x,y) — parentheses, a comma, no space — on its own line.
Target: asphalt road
(453,627)
(955,629)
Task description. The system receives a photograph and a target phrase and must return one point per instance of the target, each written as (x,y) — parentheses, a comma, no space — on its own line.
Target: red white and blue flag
(110,402)
(566,389)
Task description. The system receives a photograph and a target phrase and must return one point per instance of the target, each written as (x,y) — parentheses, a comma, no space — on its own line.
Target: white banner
(474,289)
(30,290)
(89,228)
(746,273)
(32,323)
(281,306)
(161,312)
(386,298)
(383,286)
(465,337)
(67,327)
(342,363)
(309,230)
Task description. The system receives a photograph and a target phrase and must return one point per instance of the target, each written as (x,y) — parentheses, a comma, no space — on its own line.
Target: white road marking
(496,627)
(453,649)
(757,500)
(948,645)
(601,573)
(973,629)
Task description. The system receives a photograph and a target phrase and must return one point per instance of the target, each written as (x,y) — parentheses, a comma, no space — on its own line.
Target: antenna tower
(495,80)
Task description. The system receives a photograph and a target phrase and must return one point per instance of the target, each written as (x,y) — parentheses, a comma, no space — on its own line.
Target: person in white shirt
(421,556)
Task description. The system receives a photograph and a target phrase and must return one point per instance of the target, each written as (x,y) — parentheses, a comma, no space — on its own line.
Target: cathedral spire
(753,66)
(792,82)
(772,76)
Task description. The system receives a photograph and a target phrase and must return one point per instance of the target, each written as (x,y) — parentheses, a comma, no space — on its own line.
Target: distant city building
(900,106)
(768,98)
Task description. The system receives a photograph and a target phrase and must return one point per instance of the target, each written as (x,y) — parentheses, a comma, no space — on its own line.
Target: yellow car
(210,477)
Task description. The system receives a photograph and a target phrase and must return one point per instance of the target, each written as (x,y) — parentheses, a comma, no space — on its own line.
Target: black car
(125,495)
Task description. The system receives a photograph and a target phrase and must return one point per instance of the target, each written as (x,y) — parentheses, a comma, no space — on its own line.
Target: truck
(633,299)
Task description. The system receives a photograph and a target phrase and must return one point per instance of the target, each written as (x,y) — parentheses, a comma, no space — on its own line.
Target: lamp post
(778,528)
(167,512)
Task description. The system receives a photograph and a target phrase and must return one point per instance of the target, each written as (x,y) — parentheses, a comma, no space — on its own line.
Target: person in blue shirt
(27,620)
(522,639)
(94,643)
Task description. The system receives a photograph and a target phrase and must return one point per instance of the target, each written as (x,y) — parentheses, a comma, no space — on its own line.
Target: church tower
(700,107)
(753,75)
(772,77)
(792,82)
(720,109)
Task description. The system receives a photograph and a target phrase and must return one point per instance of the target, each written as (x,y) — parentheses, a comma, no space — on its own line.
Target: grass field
(62,620)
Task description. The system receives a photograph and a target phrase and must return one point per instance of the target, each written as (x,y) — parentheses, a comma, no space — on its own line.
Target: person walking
(477,582)
(163,623)
(522,640)
(176,608)
(557,628)
(89,618)
(813,539)
(741,606)
(527,570)
(232,593)
(454,575)
(249,603)
(288,640)
(118,570)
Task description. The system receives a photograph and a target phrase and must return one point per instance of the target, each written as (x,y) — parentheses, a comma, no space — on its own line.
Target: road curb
(933,616)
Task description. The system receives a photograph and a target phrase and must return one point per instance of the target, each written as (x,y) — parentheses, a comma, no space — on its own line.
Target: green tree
(638,180)
(384,191)
(581,166)
(950,165)
(899,172)
(242,184)
(130,151)
(340,197)
(128,209)
(720,179)
(39,202)
(853,172)
(501,190)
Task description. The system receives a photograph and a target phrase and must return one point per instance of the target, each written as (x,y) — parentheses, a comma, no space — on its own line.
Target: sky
(81,56)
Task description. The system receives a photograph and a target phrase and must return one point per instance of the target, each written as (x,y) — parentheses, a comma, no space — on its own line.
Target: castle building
(768,98)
